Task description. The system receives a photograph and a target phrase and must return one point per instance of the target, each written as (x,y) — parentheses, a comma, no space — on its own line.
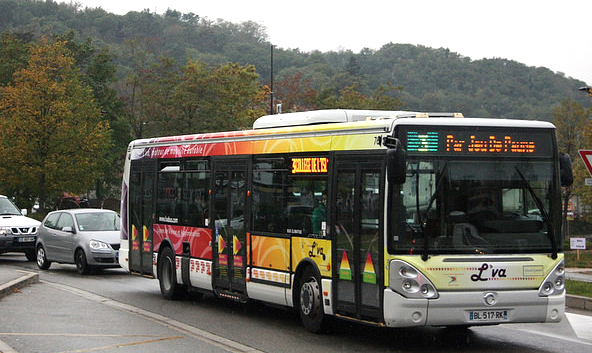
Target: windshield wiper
(426,248)
(544,214)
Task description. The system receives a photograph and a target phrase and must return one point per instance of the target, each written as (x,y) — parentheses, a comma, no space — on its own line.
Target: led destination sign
(310,165)
(481,142)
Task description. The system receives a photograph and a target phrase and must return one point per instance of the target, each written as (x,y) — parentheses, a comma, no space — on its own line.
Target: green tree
(571,121)
(14,56)
(220,98)
(384,97)
(58,138)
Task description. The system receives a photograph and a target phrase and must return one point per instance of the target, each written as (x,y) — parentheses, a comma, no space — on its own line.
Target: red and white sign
(587,159)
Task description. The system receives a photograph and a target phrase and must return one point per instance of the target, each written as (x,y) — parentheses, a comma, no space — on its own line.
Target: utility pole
(271,84)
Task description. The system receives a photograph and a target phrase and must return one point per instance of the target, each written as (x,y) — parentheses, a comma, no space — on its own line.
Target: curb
(578,302)
(18,283)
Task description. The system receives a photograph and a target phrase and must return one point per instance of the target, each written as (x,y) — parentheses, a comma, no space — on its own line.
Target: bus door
(141,211)
(228,227)
(358,272)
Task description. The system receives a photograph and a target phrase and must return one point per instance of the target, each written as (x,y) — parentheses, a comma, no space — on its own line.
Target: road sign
(577,243)
(586,156)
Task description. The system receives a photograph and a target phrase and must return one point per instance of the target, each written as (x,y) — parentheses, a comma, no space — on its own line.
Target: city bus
(387,218)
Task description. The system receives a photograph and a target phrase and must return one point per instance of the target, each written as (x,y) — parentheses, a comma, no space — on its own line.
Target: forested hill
(431,79)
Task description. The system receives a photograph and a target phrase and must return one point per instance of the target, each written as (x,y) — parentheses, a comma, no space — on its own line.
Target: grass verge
(583,289)
(585,260)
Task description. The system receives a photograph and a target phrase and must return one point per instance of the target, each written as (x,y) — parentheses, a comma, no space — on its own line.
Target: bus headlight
(554,284)
(409,282)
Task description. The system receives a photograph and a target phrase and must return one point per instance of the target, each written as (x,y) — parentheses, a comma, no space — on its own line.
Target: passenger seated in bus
(319,216)
(481,205)
(465,233)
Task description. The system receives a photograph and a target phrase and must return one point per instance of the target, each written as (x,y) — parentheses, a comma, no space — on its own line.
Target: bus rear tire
(167,275)
(310,302)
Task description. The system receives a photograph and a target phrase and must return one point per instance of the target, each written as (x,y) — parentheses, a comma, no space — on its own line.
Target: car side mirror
(68,230)
(24,211)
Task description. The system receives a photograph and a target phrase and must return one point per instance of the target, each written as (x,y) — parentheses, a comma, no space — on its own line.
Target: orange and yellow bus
(390,218)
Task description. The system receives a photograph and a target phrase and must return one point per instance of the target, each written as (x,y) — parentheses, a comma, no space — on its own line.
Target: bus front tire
(310,303)
(167,275)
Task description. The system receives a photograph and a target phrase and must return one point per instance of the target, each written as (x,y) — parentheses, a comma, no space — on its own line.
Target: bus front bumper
(470,308)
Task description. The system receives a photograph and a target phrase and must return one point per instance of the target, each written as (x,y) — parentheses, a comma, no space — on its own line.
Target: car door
(65,238)
(49,235)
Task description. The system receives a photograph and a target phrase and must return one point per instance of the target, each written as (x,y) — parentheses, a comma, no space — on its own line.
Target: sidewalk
(12,280)
(71,320)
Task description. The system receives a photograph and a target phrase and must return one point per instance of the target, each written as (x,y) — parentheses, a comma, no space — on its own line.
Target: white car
(17,232)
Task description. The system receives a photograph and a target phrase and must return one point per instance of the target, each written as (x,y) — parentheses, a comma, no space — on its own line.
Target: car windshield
(97,221)
(7,208)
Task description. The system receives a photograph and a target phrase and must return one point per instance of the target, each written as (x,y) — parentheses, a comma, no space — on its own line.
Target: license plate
(488,315)
(26,239)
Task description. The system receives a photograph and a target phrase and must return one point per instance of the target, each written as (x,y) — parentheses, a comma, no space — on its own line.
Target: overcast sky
(554,34)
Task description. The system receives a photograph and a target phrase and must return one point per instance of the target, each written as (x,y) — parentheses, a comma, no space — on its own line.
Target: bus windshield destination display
(465,142)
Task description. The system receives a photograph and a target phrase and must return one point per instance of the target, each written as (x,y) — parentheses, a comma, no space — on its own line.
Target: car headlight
(98,245)
(409,282)
(5,230)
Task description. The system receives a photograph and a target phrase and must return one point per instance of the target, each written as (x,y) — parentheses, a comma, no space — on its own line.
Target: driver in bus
(482,205)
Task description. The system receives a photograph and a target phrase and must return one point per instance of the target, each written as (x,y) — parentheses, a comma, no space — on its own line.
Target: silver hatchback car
(86,237)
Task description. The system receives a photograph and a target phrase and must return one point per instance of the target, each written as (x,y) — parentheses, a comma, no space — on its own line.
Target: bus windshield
(474,207)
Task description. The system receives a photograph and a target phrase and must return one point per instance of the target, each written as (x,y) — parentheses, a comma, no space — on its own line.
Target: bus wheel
(167,274)
(310,302)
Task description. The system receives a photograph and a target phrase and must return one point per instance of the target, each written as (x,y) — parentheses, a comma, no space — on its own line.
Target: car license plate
(488,315)
(26,239)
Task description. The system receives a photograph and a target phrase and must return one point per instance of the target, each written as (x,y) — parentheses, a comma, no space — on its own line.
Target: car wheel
(31,255)
(167,275)
(310,304)
(42,262)
(81,264)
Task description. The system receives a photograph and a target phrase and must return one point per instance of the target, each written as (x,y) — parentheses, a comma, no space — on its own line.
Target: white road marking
(581,324)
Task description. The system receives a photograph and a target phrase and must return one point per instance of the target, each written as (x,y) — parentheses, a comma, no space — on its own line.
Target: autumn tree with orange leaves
(54,138)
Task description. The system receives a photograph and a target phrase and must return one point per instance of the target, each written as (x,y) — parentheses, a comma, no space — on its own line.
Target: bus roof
(334,122)
(327,116)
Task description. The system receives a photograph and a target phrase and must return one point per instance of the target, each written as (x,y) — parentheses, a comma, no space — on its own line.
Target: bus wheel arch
(308,298)
(167,272)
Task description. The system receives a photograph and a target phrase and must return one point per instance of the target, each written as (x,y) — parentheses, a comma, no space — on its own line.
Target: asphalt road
(112,311)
